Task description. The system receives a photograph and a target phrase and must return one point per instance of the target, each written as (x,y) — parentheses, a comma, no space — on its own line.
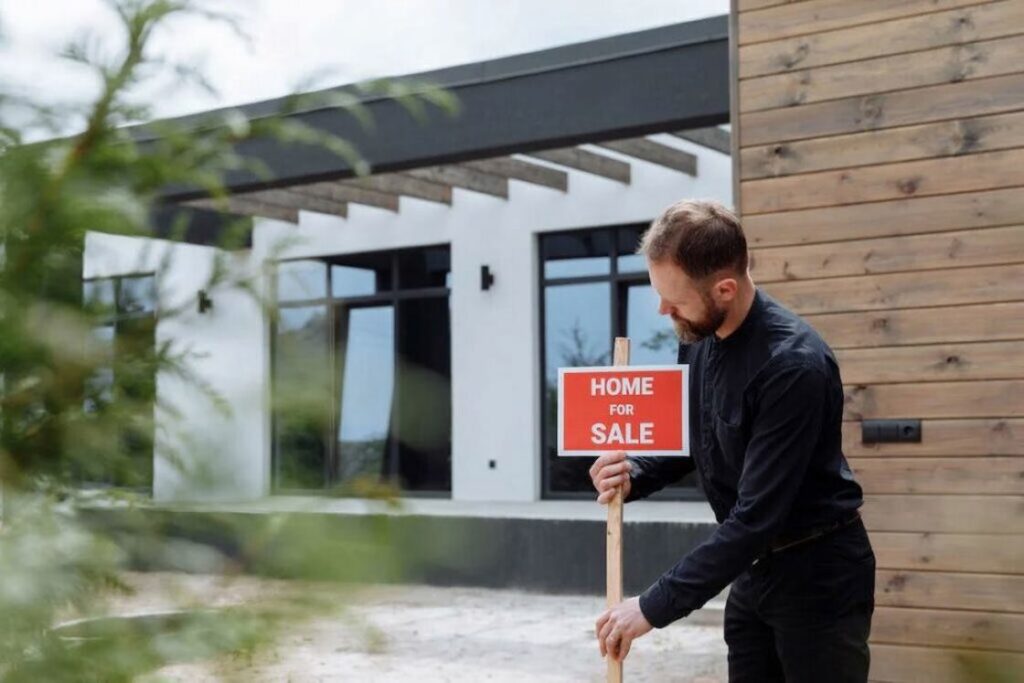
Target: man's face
(695,315)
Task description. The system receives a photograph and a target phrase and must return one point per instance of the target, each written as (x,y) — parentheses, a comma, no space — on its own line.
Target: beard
(690,331)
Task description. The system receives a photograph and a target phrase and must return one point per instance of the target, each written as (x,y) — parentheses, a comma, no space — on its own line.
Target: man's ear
(726,289)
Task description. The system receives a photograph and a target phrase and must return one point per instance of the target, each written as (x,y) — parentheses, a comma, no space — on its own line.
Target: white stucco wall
(495,344)
(222,455)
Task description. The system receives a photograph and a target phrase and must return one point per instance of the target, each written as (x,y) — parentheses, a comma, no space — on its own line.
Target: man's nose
(663,307)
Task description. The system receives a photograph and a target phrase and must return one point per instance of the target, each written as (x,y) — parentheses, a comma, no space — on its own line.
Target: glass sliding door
(424,402)
(366,383)
(363,346)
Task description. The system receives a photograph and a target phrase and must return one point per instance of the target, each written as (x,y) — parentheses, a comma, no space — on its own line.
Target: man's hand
(608,473)
(619,626)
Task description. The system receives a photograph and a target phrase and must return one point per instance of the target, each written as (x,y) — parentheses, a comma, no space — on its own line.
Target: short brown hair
(701,237)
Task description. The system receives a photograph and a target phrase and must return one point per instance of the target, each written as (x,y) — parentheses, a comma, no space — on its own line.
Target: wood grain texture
(887,110)
(943,324)
(613,573)
(910,34)
(990,592)
(911,664)
(941,139)
(926,551)
(978,247)
(950,64)
(948,400)
(945,513)
(959,437)
(748,5)
(995,476)
(951,628)
(933,363)
(970,173)
(902,290)
(941,213)
(815,16)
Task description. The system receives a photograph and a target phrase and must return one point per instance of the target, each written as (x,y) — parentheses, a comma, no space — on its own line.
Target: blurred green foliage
(63,546)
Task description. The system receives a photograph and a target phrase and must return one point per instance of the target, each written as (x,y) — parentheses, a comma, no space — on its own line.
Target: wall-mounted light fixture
(203,301)
(486,278)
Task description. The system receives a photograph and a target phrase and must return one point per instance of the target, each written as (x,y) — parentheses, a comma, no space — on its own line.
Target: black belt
(785,541)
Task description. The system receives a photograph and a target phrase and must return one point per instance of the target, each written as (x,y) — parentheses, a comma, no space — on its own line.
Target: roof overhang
(610,91)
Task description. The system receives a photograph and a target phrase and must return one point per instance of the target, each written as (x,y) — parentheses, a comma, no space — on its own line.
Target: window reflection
(137,294)
(302,395)
(297,280)
(424,404)
(576,254)
(627,241)
(366,360)
(577,325)
(382,381)
(653,342)
(423,268)
(361,274)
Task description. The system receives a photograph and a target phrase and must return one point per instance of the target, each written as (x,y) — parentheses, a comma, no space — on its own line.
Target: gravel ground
(421,633)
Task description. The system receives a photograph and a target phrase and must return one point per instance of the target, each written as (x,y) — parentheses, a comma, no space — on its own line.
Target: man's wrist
(656,606)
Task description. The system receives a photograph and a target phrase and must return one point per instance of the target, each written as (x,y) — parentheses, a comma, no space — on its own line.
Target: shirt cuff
(656,605)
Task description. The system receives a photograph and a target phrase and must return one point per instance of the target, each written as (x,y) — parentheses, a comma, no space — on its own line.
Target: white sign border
(683,369)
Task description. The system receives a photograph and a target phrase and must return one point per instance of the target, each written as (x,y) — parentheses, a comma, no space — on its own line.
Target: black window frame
(393,296)
(619,283)
(115,318)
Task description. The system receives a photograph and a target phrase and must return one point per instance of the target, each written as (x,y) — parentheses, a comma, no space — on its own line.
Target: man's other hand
(619,626)
(608,473)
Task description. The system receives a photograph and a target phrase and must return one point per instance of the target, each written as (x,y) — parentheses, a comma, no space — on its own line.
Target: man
(766,415)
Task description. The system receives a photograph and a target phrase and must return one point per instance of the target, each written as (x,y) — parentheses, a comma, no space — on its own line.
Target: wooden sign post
(642,410)
(613,534)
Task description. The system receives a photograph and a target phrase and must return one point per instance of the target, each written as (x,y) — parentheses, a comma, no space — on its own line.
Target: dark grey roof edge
(550,59)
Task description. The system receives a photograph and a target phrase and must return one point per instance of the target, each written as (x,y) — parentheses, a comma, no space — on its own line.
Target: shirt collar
(743,332)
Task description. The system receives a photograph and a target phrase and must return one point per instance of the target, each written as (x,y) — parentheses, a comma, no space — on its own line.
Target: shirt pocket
(732,443)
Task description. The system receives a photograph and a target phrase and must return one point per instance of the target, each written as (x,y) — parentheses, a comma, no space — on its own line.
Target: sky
(313,43)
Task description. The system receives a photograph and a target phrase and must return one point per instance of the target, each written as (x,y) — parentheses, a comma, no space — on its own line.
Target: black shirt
(766,411)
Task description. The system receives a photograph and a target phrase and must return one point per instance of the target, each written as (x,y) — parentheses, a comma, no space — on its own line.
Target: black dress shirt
(766,411)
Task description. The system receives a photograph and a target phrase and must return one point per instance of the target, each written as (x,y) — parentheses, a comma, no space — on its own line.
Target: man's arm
(648,474)
(785,431)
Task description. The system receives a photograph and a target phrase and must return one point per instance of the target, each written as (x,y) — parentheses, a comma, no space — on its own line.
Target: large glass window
(362,372)
(123,384)
(594,288)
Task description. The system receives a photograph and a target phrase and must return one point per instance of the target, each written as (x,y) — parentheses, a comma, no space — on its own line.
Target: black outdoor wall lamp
(203,301)
(486,278)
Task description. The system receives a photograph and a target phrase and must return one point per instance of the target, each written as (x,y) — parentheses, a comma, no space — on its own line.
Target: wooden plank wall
(879,154)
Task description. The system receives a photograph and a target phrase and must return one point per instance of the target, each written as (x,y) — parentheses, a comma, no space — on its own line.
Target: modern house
(875,152)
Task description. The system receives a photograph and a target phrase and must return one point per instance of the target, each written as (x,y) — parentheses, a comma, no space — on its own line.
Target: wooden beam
(246,207)
(588,162)
(290,199)
(713,138)
(396,183)
(338,192)
(465,178)
(655,153)
(509,167)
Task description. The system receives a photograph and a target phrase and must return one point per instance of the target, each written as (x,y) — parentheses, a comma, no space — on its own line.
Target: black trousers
(803,614)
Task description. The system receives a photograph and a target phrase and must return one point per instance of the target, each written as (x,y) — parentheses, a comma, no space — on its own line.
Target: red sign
(637,409)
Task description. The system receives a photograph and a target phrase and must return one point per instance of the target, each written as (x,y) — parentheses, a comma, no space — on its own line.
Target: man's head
(697,259)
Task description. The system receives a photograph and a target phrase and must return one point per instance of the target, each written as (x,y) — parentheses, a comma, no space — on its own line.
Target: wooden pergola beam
(339,192)
(517,169)
(465,178)
(655,153)
(588,162)
(291,199)
(713,138)
(395,183)
(246,207)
